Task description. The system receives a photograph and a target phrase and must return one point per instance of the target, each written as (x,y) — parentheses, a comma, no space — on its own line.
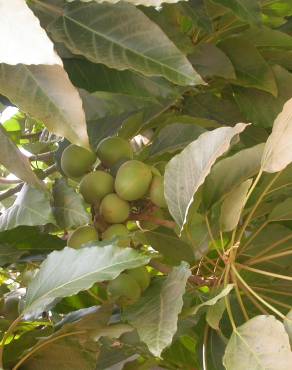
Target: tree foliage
(182,257)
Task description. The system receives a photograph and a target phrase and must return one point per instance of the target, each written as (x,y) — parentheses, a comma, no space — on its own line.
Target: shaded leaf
(282,211)
(31,207)
(215,313)
(156,3)
(68,207)
(51,98)
(261,343)
(230,172)
(232,206)
(247,10)
(251,68)
(155,315)
(265,37)
(28,42)
(69,271)
(277,154)
(187,171)
(16,162)
(9,254)
(136,43)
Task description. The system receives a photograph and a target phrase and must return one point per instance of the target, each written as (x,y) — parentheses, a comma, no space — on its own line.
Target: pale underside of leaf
(69,271)
(187,171)
(259,344)
(277,153)
(155,315)
(15,162)
(122,37)
(46,94)
(25,41)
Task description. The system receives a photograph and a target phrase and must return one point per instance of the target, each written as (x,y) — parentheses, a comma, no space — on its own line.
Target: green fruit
(141,275)
(82,235)
(95,185)
(156,192)
(161,166)
(155,171)
(148,225)
(133,180)
(124,289)
(113,149)
(76,161)
(114,209)
(10,310)
(117,230)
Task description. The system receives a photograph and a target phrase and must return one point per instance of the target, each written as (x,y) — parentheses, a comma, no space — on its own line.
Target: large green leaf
(155,315)
(282,211)
(156,3)
(248,10)
(9,254)
(261,343)
(49,97)
(277,154)
(250,67)
(16,162)
(69,271)
(69,207)
(233,205)
(187,171)
(31,207)
(28,42)
(265,37)
(122,37)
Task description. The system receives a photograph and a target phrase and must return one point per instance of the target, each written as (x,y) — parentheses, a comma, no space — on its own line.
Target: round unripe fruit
(124,289)
(156,192)
(76,161)
(82,235)
(148,225)
(117,230)
(161,166)
(141,275)
(95,185)
(114,209)
(133,180)
(112,149)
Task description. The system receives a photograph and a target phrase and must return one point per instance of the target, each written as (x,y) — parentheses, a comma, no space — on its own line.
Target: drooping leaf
(215,313)
(187,171)
(210,302)
(16,162)
(136,43)
(28,42)
(277,154)
(210,61)
(69,271)
(50,97)
(174,137)
(31,207)
(261,343)
(155,315)
(69,207)
(227,174)
(247,10)
(232,206)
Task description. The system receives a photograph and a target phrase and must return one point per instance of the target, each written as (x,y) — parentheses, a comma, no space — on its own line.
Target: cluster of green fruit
(127,287)
(118,181)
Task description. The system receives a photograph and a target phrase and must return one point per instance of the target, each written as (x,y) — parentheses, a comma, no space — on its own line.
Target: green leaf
(174,137)
(197,11)
(261,343)
(156,3)
(155,315)
(214,314)
(28,42)
(288,324)
(9,254)
(31,207)
(247,10)
(210,302)
(137,43)
(173,249)
(210,61)
(250,67)
(277,154)
(282,211)
(98,77)
(187,171)
(233,205)
(50,97)
(16,162)
(265,37)
(69,207)
(230,172)
(69,271)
